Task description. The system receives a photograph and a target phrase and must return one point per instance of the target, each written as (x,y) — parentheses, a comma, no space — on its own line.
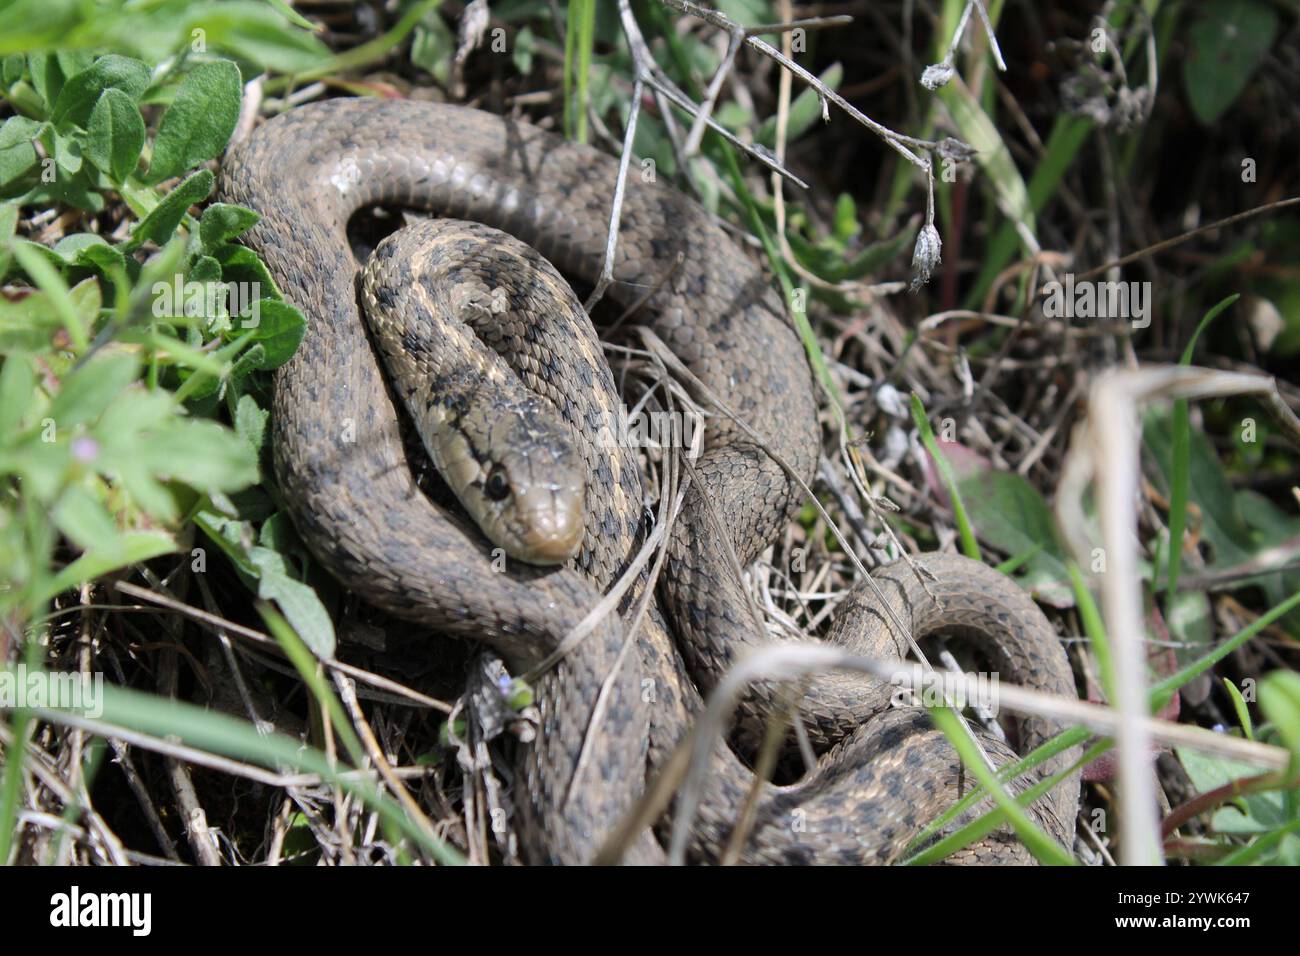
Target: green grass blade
(986,824)
(1094,628)
(1042,846)
(1253,851)
(1012,564)
(1158,697)
(969,546)
(1180,455)
(1166,687)
(239,740)
(579,37)
(11,785)
(1239,706)
(48,280)
(304,661)
(1063,144)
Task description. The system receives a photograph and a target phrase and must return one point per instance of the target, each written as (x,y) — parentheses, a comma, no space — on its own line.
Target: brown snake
(346,480)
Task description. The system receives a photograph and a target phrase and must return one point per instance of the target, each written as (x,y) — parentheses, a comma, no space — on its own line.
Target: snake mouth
(551,533)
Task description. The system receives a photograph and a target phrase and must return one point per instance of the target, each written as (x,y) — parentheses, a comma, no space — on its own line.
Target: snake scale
(449,300)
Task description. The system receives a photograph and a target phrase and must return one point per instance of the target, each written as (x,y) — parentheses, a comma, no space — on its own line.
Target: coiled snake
(446,298)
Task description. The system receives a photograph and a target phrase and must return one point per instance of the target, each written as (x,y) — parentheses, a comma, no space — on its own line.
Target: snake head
(528,493)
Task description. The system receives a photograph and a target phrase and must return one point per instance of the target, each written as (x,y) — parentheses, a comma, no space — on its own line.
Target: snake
(466,327)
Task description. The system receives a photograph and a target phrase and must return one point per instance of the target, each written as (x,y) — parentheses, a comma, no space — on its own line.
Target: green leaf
(1279,698)
(136,546)
(1256,813)
(79,95)
(1095,628)
(67,190)
(253,31)
(160,224)
(106,259)
(71,248)
(299,602)
(292,15)
(250,421)
(520,694)
(28,325)
(222,222)
(198,124)
(202,454)
(88,390)
(1162,690)
(86,524)
(65,146)
(134,412)
(1279,847)
(86,300)
(280,327)
(1225,45)
(116,135)
(805,110)
(72,62)
(42,465)
(149,494)
(17,154)
(8,224)
(249,361)
(42,265)
(1236,525)
(1012,516)
(241,264)
(47,79)
(432,47)
(278,533)
(157,29)
(1276,530)
(32,250)
(832,266)
(846,218)
(1190,617)
(524,47)
(1239,705)
(11,71)
(17,387)
(205,269)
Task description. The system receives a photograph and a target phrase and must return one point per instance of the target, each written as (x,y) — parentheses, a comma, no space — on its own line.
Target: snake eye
(497,486)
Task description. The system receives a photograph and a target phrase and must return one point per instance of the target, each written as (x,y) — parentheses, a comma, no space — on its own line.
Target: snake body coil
(344,476)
